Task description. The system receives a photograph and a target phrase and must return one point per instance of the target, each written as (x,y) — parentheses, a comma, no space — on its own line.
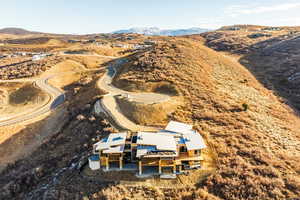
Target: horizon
(105,17)
(103,32)
(142,28)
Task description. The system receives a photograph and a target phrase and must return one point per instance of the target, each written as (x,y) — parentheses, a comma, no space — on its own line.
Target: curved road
(110,107)
(108,102)
(56,95)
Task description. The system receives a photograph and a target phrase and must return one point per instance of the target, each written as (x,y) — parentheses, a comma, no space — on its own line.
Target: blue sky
(95,16)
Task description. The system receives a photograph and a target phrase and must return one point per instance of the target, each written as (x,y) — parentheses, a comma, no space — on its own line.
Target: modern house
(175,149)
(272,29)
(38,57)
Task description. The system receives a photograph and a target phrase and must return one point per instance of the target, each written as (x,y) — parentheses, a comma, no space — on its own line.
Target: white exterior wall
(94,165)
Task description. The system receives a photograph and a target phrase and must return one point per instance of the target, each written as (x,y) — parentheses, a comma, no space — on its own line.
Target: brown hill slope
(16,31)
(257,137)
(247,39)
(278,67)
(274,60)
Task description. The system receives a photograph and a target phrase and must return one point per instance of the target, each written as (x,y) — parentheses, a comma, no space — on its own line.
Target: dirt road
(109,104)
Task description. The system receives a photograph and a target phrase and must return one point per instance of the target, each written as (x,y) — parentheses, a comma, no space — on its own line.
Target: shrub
(245,106)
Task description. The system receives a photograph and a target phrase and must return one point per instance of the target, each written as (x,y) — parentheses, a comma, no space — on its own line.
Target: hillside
(255,135)
(278,66)
(273,59)
(241,39)
(16,31)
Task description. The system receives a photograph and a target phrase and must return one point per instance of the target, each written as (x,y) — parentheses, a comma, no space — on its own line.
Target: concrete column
(121,162)
(107,163)
(180,168)
(159,166)
(174,169)
(99,160)
(140,167)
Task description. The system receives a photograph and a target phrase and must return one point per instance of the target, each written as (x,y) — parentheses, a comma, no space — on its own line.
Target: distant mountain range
(145,31)
(166,32)
(16,31)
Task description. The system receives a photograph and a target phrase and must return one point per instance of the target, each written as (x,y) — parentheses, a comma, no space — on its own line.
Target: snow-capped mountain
(167,32)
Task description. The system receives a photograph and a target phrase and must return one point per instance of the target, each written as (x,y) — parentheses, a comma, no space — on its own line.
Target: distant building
(258,35)
(178,147)
(20,53)
(149,42)
(140,46)
(38,57)
(73,41)
(121,45)
(235,28)
(272,29)
(91,41)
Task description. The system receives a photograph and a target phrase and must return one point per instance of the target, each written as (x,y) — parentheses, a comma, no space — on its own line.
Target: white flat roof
(141,152)
(114,139)
(169,133)
(194,140)
(178,127)
(161,141)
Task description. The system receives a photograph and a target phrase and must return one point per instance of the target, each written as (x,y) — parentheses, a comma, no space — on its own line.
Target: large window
(197,152)
(183,149)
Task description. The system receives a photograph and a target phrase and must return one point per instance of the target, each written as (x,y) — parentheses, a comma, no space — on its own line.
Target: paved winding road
(56,95)
(109,104)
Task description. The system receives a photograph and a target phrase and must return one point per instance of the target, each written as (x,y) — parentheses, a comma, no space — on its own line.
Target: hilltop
(270,53)
(17,31)
(241,39)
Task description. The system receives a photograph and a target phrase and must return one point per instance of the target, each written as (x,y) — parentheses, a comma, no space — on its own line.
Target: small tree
(245,106)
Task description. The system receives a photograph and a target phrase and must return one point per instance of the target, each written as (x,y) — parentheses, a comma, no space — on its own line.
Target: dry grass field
(255,135)
(90,62)
(149,114)
(274,60)
(20,97)
(246,39)
(94,49)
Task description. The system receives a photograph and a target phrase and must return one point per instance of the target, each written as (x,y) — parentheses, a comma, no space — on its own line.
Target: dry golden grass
(21,97)
(51,44)
(64,73)
(149,114)
(258,148)
(93,49)
(90,62)
(106,51)
(242,41)
(7,36)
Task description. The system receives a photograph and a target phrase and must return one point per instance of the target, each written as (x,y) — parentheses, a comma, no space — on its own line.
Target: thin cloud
(237,10)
